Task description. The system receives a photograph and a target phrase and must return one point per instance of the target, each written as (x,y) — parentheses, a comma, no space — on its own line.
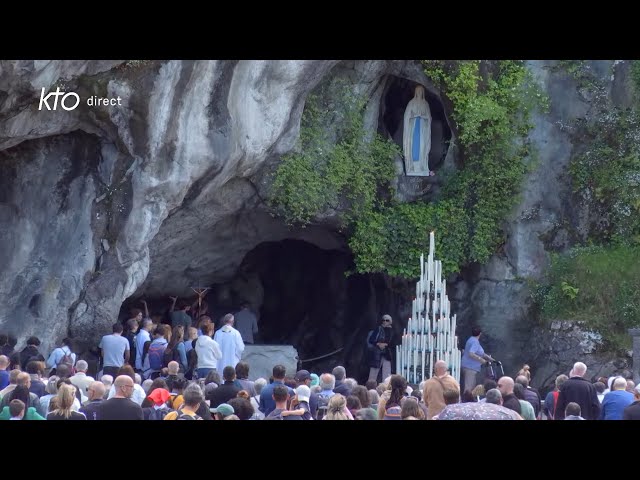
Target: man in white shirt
(208,351)
(230,342)
(143,336)
(81,380)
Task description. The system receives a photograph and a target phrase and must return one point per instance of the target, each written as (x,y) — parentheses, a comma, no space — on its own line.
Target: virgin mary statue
(417,135)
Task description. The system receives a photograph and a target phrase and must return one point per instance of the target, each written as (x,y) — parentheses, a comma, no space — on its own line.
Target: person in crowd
(175,349)
(208,352)
(131,328)
(4,372)
(579,390)
(632,412)
(380,345)
(411,408)
(91,409)
(267,403)
(138,394)
(62,355)
(247,324)
(509,400)
(339,373)
(551,399)
(231,344)
(337,409)
(114,350)
(181,315)
(227,390)
(120,406)
(81,380)
(143,339)
(242,377)
(433,393)
(64,410)
(572,412)
(526,409)
(472,359)
(616,401)
(36,372)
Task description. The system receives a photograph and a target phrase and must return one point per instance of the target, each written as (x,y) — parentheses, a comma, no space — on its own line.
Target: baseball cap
(302,375)
(223,409)
(303,392)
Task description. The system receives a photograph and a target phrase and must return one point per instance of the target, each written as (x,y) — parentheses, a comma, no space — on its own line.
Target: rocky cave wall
(168,191)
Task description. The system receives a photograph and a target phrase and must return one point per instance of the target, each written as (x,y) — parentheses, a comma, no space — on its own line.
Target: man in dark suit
(579,390)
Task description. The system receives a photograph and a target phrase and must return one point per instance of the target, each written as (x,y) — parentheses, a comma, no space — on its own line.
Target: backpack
(370,340)
(184,416)
(159,414)
(67,359)
(156,355)
(323,404)
(393,413)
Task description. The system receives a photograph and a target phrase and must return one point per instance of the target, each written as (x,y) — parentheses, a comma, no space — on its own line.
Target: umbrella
(477,411)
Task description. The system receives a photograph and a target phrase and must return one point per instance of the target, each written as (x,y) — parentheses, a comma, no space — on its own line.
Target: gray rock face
(153,196)
(262,359)
(168,190)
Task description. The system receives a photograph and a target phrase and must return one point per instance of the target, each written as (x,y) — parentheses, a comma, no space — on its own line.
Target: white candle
(432,241)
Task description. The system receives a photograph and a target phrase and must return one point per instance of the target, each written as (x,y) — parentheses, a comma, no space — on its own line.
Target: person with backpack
(193,400)
(155,354)
(379,347)
(62,355)
(160,407)
(30,353)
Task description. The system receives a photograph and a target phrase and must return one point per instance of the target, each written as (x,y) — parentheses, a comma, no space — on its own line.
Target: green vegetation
(352,174)
(597,285)
(491,111)
(600,284)
(492,102)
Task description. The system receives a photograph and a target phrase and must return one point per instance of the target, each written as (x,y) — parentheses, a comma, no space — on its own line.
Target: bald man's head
(124,386)
(505,385)
(173,367)
(96,391)
(579,369)
(440,368)
(4,362)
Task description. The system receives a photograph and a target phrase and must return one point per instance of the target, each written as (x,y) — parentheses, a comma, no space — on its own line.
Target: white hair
(138,378)
(421,386)
(146,385)
(620,383)
(82,366)
(351,383)
(107,380)
(579,369)
(327,381)
(259,384)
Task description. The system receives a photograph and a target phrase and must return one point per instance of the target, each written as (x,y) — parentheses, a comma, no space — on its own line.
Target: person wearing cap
(632,412)
(301,403)
(380,347)
(303,377)
(223,410)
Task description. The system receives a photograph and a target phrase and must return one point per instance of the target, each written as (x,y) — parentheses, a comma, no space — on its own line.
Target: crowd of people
(152,372)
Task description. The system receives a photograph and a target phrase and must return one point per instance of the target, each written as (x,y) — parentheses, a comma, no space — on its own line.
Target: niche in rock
(398,93)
